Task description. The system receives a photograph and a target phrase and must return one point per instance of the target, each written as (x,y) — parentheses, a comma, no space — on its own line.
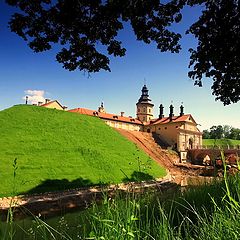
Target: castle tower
(144,106)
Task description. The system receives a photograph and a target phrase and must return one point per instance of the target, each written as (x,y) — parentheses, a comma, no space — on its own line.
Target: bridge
(201,155)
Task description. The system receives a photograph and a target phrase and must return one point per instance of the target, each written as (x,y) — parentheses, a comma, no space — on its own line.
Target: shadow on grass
(51,185)
(138,177)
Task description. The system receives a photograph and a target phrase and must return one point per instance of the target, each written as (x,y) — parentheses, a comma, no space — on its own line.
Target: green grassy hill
(59,150)
(220,142)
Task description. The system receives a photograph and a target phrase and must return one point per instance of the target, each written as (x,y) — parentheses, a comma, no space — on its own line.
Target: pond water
(75,222)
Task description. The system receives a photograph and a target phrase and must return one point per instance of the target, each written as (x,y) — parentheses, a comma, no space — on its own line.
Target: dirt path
(146,142)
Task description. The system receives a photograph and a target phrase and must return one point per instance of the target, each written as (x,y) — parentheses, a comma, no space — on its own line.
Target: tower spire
(144,106)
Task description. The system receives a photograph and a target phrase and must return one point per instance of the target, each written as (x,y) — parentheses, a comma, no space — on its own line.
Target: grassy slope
(221,142)
(52,145)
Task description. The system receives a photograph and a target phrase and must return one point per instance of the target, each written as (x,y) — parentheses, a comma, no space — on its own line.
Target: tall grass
(209,211)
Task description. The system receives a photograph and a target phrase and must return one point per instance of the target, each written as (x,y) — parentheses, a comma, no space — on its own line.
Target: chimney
(40,103)
(65,108)
(161,111)
(171,112)
(122,114)
(26,99)
(181,110)
(47,100)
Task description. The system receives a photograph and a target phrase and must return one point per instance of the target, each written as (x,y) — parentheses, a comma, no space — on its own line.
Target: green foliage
(206,134)
(210,211)
(216,132)
(80,27)
(58,150)
(225,131)
(219,22)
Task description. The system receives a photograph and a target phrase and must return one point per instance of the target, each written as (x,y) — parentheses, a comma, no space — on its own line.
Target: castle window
(149,110)
(165,127)
(138,109)
(176,126)
(159,128)
(143,118)
(144,109)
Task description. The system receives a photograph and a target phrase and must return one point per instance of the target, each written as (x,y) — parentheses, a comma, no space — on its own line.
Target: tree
(206,134)
(226,131)
(216,132)
(81,26)
(235,133)
(218,51)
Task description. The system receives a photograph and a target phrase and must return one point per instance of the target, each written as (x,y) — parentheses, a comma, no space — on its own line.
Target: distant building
(179,132)
(52,104)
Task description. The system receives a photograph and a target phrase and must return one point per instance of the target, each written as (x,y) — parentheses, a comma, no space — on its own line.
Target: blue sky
(165,74)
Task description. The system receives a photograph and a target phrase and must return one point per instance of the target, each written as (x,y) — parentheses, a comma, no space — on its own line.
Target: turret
(144,106)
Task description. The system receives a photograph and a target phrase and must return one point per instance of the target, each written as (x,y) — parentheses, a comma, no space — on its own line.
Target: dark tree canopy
(218,52)
(225,131)
(82,27)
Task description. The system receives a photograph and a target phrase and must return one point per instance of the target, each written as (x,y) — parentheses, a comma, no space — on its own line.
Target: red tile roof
(107,116)
(175,119)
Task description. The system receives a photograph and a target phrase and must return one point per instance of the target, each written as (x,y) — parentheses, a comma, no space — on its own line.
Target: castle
(179,132)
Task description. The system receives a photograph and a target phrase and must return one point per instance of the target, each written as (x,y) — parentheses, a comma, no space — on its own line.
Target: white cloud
(34,96)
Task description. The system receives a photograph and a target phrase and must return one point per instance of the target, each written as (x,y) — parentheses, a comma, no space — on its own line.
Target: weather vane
(144,81)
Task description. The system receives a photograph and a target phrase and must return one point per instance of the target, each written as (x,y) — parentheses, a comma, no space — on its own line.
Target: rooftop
(108,116)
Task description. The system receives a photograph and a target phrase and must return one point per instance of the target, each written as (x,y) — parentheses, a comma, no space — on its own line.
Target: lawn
(59,150)
(221,142)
